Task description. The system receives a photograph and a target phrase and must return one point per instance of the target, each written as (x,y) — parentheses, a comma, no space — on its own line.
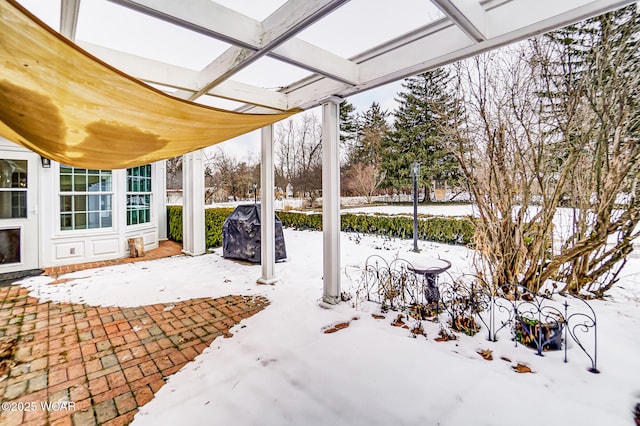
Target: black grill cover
(241,235)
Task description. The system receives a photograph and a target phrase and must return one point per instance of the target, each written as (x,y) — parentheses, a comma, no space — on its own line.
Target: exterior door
(18,211)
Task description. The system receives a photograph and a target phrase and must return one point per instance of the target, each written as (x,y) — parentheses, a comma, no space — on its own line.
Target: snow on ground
(281,369)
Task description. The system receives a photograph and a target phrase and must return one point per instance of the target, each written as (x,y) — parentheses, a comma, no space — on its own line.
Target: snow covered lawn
(280,368)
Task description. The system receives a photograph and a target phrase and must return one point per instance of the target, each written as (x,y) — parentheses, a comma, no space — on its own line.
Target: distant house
(52,214)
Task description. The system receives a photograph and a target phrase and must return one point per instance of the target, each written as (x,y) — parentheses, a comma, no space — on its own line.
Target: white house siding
(58,247)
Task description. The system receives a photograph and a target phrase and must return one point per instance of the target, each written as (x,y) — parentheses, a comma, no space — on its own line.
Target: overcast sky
(353,28)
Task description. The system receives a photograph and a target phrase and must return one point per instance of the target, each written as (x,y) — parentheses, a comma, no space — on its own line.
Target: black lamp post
(415,173)
(255,193)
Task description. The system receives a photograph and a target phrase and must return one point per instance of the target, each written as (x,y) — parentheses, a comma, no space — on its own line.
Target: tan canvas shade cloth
(67,105)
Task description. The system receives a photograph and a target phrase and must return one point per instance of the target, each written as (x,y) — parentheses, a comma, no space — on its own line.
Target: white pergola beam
(69,10)
(237,91)
(294,51)
(469,16)
(252,39)
(202,16)
(442,47)
(185,79)
(293,17)
(441,43)
(224,66)
(306,55)
(519,20)
(434,45)
(523,19)
(282,25)
(145,69)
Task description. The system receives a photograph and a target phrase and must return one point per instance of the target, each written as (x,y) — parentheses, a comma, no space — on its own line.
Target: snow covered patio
(97,365)
(281,368)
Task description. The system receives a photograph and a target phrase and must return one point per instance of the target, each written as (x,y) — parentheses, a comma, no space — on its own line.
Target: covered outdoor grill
(241,235)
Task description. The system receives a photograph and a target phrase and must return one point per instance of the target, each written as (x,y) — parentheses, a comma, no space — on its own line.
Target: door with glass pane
(18,212)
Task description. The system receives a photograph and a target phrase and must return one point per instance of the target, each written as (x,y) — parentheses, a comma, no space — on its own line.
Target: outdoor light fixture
(415,169)
(415,173)
(255,193)
(46,163)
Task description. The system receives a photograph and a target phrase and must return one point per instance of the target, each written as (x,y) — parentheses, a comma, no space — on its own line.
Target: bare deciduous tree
(364,179)
(174,173)
(299,155)
(225,172)
(552,159)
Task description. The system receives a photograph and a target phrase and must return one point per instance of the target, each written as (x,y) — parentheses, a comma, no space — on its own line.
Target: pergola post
(160,181)
(193,228)
(331,200)
(267,213)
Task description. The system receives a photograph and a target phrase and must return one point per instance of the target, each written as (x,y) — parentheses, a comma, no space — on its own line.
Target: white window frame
(139,195)
(100,191)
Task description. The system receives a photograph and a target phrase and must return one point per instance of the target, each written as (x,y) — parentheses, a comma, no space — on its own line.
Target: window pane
(65,222)
(93,183)
(13,173)
(18,204)
(106,219)
(9,246)
(80,183)
(66,203)
(94,202)
(65,183)
(80,203)
(19,179)
(13,204)
(80,221)
(105,202)
(94,220)
(106,182)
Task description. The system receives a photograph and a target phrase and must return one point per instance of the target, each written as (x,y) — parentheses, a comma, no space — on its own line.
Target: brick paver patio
(97,365)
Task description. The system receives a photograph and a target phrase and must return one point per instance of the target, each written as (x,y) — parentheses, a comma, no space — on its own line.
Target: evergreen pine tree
(372,130)
(416,135)
(348,129)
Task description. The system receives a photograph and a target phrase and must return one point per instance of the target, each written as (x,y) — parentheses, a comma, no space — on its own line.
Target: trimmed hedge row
(439,229)
(174,223)
(213,220)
